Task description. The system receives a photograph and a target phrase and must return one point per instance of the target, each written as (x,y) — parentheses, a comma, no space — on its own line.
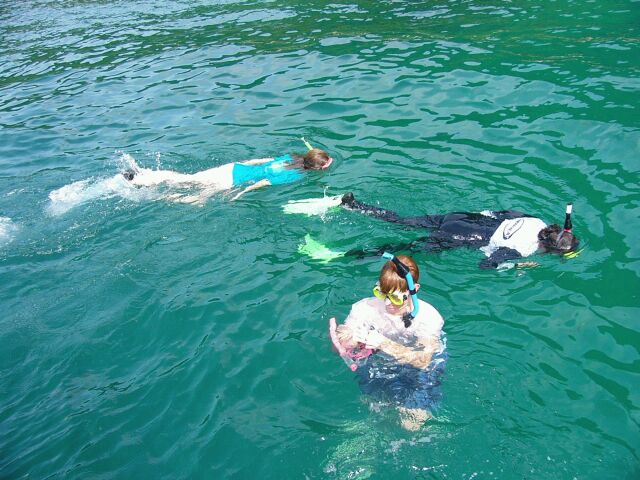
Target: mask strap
(406,273)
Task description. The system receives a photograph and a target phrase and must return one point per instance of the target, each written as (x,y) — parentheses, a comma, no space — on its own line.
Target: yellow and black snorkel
(568,228)
(567,218)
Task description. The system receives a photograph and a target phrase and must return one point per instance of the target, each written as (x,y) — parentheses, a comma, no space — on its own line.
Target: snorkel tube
(307,144)
(404,271)
(568,228)
(567,218)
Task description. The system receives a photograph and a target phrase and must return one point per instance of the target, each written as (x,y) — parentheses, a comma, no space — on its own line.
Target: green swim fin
(312,206)
(317,251)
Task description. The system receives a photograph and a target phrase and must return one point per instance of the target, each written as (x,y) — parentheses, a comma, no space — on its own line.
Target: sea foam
(83,191)
(7,230)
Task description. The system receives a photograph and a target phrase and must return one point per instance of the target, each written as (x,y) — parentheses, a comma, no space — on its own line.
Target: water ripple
(164,340)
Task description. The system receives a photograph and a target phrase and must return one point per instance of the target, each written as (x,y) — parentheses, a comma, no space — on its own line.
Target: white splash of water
(7,230)
(77,193)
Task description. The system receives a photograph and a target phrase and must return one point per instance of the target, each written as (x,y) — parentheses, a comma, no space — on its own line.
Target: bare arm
(418,357)
(255,186)
(257,161)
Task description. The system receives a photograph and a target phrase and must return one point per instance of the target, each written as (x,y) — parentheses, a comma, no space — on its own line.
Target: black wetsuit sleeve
(509,214)
(415,246)
(501,255)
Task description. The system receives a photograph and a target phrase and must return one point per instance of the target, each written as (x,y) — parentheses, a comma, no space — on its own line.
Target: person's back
(275,171)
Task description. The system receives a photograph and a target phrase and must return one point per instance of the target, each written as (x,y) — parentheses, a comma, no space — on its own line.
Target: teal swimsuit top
(274,171)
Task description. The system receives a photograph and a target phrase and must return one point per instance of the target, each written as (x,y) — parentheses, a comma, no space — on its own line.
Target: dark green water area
(146,339)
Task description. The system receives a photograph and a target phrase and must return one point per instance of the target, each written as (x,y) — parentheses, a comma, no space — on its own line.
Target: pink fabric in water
(347,355)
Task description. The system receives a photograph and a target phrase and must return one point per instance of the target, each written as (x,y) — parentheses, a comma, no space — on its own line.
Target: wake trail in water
(7,230)
(70,196)
(84,191)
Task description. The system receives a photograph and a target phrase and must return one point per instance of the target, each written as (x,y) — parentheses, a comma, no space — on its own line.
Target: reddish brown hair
(390,280)
(314,159)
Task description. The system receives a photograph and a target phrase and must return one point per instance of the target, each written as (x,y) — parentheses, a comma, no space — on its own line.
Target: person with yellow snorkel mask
(394,343)
(250,174)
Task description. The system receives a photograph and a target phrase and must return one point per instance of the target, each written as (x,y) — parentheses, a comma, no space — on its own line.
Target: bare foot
(412,419)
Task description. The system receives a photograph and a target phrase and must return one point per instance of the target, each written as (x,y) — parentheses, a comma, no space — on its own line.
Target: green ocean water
(146,339)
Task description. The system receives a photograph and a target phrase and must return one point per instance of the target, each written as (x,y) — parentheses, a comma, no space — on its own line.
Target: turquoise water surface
(148,339)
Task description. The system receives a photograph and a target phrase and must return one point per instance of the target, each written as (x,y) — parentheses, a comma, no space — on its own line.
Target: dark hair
(556,240)
(314,159)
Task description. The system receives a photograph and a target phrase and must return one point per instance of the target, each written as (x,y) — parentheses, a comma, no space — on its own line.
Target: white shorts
(220,178)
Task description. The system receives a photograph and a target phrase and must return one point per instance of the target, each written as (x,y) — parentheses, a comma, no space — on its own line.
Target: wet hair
(314,159)
(556,240)
(390,279)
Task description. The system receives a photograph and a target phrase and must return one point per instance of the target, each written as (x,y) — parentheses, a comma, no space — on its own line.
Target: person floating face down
(404,335)
(249,174)
(502,235)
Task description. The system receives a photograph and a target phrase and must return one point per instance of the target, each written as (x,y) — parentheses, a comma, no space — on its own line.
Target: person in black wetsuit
(502,235)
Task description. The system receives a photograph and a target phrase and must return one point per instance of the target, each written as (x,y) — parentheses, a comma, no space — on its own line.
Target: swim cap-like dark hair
(556,240)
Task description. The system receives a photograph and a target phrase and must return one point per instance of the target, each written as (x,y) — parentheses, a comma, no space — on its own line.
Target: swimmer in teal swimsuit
(249,175)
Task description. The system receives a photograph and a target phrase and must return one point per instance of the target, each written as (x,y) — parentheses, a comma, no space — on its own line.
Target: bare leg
(424,221)
(413,418)
(217,178)
(416,245)
(149,178)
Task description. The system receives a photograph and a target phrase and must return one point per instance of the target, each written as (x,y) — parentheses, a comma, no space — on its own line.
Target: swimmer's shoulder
(365,308)
(430,315)
(366,304)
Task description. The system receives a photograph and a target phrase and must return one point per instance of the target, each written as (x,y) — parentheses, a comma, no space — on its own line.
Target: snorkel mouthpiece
(404,271)
(567,218)
(307,144)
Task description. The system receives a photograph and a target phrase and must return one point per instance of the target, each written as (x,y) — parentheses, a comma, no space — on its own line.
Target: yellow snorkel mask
(393,297)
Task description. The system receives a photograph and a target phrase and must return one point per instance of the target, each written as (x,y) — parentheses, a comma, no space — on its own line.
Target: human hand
(373,339)
(527,264)
(358,334)
(345,337)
